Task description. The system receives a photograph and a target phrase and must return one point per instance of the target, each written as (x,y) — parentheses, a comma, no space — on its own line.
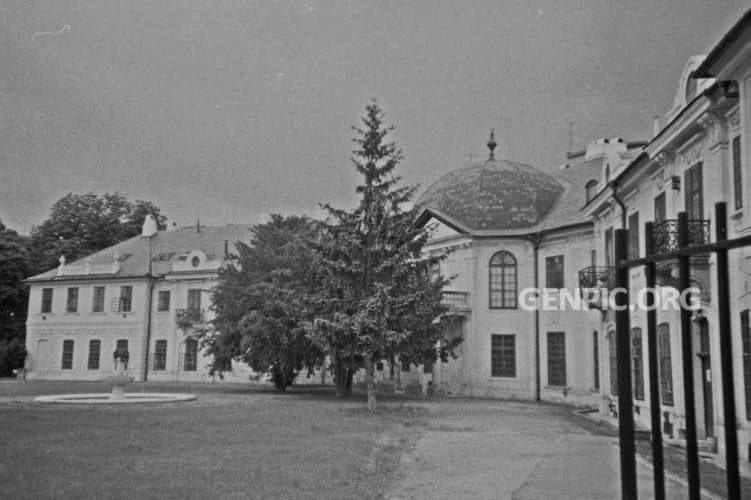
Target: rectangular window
(694,193)
(746,341)
(637,364)
(71,304)
(163,301)
(67,362)
(613,361)
(194,299)
(609,255)
(554,272)
(556,359)
(97,303)
(666,368)
(95,349)
(660,208)
(593,258)
(503,356)
(596,360)
(633,236)
(160,355)
(46,300)
(737,175)
(126,298)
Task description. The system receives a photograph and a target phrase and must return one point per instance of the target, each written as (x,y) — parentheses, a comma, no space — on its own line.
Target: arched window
(637,364)
(666,368)
(591,190)
(502,281)
(190,355)
(607,173)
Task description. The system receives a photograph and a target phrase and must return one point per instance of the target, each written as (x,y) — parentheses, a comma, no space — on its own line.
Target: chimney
(149,227)
(226,249)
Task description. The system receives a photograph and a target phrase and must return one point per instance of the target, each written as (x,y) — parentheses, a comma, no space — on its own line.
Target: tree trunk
(370,380)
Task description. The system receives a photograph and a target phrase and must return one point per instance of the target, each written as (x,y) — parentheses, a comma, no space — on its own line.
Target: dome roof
(494,195)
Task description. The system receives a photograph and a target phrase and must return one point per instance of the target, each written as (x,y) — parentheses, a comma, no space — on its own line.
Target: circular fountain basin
(107,398)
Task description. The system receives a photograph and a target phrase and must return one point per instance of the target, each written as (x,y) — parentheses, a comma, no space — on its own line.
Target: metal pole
(692,452)
(726,356)
(623,358)
(654,375)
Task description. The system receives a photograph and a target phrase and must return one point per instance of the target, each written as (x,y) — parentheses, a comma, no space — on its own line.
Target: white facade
(168,277)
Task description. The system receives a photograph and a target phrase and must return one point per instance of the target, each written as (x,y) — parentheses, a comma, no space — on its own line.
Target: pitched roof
(167,247)
(568,210)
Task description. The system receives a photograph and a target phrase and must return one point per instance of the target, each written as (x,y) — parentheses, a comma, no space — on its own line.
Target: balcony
(597,277)
(665,235)
(186,318)
(456,301)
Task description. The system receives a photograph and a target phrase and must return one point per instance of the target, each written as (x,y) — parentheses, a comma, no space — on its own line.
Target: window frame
(633,235)
(190,357)
(160,302)
(160,356)
(596,360)
(737,172)
(97,300)
(505,288)
(637,363)
(46,305)
(503,355)
(556,355)
(126,299)
(93,362)
(746,350)
(66,362)
(665,365)
(694,192)
(71,300)
(554,274)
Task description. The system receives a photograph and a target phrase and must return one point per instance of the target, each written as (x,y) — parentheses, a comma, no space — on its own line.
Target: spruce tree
(379,299)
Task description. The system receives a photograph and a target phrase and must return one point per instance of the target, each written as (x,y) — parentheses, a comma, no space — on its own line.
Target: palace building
(150,294)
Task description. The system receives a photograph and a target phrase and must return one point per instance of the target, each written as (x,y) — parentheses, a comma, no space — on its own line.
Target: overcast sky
(227,110)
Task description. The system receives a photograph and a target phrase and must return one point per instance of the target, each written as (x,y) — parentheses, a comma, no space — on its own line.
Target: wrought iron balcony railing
(596,277)
(187,317)
(456,300)
(665,234)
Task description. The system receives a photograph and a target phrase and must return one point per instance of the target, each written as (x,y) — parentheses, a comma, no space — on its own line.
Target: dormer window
(195,261)
(591,188)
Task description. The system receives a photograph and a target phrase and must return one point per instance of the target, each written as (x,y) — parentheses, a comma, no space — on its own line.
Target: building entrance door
(42,356)
(706,377)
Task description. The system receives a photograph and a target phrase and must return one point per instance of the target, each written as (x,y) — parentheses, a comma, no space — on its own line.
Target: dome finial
(492,144)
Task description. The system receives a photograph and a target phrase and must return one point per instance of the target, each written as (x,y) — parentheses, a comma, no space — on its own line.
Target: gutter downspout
(535,239)
(148,310)
(613,185)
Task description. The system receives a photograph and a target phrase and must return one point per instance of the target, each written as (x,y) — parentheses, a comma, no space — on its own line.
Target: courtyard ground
(243,441)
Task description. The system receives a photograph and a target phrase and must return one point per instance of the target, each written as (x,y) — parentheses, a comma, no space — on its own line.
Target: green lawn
(235,441)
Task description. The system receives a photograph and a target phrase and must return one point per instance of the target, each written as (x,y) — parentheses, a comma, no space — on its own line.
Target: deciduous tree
(81,224)
(14,268)
(262,303)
